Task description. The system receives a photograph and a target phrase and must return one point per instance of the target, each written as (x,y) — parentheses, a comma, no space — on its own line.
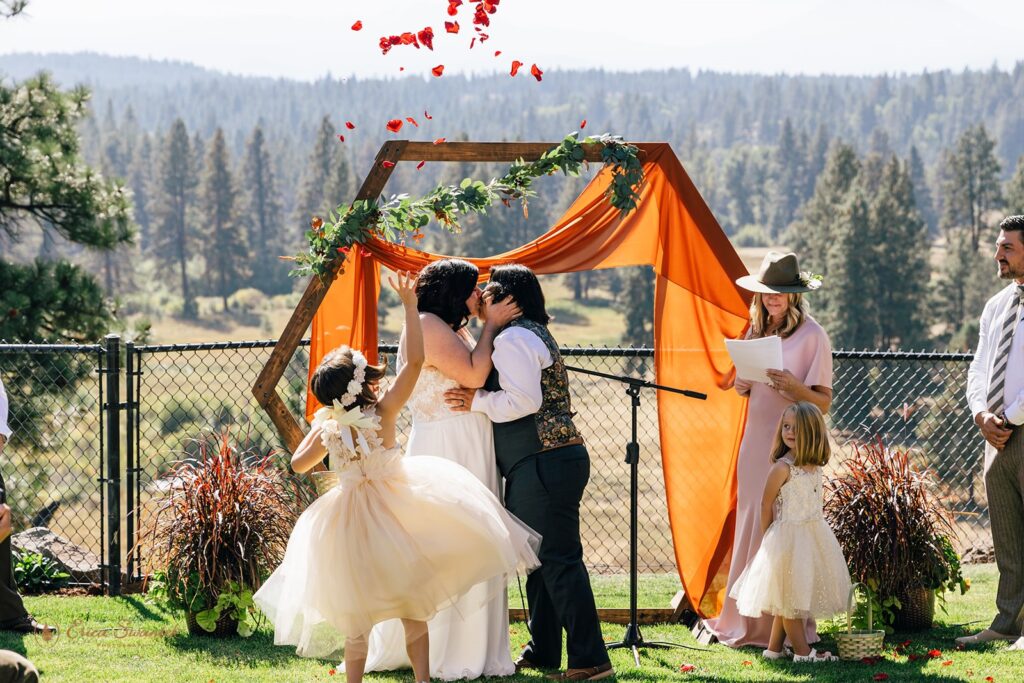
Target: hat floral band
(810,280)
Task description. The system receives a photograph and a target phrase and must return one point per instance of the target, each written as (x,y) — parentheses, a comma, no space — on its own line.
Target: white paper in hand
(752,357)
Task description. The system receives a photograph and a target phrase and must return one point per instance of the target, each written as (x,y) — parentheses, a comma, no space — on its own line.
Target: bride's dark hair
(443,287)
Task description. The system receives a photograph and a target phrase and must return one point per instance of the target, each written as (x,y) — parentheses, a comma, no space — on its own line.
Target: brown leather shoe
(27,624)
(594,673)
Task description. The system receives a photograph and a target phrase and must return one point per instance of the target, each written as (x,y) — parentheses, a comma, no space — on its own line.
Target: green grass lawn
(130,639)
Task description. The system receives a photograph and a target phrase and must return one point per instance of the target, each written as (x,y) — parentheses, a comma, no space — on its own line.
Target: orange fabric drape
(697,305)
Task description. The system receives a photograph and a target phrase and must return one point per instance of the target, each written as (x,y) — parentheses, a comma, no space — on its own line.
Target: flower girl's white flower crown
(355,385)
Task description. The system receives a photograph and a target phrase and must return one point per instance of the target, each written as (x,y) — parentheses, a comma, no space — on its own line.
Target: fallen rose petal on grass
(881,676)
(684,668)
(747,662)
(934,654)
(438,70)
(394,125)
(948,662)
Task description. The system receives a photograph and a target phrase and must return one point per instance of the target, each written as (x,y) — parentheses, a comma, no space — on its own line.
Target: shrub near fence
(178,391)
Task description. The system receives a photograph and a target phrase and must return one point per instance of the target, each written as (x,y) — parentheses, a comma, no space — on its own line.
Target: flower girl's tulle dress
(397,537)
(799,571)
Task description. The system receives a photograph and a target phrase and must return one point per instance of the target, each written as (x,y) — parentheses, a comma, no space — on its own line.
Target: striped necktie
(997,380)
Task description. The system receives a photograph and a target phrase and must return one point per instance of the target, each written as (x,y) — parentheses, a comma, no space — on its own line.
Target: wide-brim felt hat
(779,274)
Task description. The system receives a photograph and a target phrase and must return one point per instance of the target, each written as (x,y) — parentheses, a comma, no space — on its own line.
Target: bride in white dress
(467,642)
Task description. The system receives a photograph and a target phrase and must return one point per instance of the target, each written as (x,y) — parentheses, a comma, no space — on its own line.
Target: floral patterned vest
(552,425)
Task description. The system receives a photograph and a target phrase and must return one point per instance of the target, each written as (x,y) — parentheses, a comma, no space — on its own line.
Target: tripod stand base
(634,641)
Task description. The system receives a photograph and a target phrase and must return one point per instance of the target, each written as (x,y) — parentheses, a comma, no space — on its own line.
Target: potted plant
(895,534)
(221,529)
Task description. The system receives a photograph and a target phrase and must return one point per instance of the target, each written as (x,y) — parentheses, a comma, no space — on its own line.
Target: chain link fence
(177,392)
(53,464)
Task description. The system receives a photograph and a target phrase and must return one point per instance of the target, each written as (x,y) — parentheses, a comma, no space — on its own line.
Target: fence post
(129,455)
(112,409)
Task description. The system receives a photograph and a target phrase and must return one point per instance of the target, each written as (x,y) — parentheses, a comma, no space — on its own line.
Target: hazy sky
(307,38)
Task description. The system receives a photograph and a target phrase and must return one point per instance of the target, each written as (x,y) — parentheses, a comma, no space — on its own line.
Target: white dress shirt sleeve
(519,357)
(5,430)
(977,374)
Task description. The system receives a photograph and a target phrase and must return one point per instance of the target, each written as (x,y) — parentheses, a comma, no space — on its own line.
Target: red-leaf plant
(226,518)
(892,527)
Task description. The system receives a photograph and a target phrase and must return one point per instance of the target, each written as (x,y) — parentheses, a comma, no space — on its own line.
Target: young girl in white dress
(397,538)
(799,571)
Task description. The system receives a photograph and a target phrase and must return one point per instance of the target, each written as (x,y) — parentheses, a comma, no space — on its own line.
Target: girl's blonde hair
(759,318)
(811,436)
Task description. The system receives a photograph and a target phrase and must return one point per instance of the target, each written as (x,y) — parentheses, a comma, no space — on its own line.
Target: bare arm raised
(390,404)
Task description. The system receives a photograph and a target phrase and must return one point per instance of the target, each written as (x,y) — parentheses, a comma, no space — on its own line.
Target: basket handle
(850,606)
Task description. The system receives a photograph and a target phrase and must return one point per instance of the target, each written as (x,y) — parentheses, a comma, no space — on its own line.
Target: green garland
(401,216)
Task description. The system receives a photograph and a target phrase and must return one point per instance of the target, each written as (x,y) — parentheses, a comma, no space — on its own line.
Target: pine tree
(811,235)
(173,196)
(318,170)
(972,183)
(922,192)
(48,185)
(340,188)
(900,260)
(1015,190)
(638,305)
(847,306)
(225,251)
(140,174)
(262,213)
(789,178)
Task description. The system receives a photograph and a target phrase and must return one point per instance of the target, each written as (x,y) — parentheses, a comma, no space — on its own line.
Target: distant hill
(90,68)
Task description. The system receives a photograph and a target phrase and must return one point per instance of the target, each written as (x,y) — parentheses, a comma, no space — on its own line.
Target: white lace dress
(396,538)
(799,571)
(464,643)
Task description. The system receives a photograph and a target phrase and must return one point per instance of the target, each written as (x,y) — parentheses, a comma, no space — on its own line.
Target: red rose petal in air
(385,44)
(583,124)
(427,116)
(395,40)
(358,26)
(401,68)
(426,37)
(536,72)
(420,165)
(387,164)
(409,39)
(394,125)
(350,125)
(483,37)
(438,70)
(515,67)
(451,26)
(341,137)
(472,43)
(439,141)
(497,52)
(412,121)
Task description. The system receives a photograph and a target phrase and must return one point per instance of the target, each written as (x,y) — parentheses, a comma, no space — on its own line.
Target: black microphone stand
(633,638)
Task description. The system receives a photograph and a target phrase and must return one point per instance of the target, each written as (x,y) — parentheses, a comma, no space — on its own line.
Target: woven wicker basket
(325,480)
(856,645)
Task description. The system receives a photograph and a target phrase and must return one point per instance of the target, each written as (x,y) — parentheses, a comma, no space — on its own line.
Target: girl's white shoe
(772,654)
(815,656)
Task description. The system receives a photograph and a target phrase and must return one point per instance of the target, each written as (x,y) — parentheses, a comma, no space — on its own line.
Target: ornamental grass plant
(219,532)
(894,530)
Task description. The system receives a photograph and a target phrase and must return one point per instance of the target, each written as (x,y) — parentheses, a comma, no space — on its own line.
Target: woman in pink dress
(806,375)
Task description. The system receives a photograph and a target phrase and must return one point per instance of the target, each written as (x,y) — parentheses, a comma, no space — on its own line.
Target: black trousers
(544,491)
(11,607)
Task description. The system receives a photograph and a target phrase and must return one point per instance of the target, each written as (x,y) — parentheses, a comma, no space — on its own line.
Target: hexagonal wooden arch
(265,388)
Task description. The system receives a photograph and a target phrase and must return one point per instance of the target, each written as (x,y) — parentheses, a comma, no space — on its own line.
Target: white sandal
(815,656)
(772,654)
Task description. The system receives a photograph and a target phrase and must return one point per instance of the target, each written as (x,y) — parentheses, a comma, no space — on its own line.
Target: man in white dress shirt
(995,394)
